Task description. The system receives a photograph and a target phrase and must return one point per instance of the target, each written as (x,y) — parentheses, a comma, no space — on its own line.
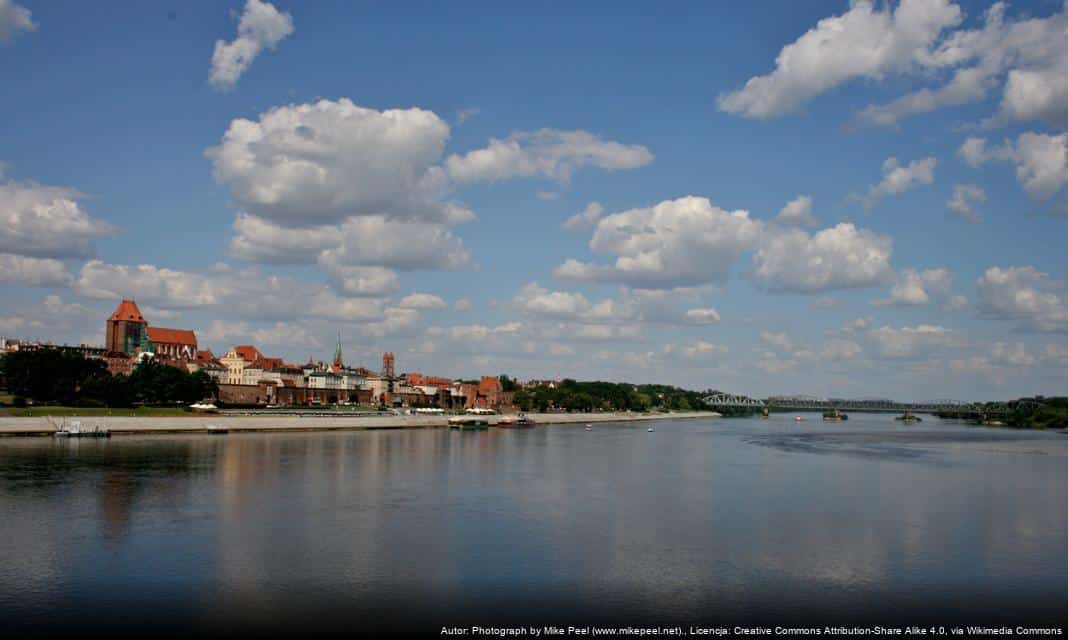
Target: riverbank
(39,426)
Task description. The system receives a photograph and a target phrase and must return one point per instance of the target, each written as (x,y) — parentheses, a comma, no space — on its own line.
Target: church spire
(338,364)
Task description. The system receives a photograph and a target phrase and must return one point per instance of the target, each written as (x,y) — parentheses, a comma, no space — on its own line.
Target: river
(719,521)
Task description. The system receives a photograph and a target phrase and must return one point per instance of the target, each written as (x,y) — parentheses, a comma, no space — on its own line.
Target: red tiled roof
(248,352)
(127,310)
(159,335)
(205,354)
(272,363)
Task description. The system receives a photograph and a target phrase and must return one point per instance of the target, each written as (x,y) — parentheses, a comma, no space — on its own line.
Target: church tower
(338,364)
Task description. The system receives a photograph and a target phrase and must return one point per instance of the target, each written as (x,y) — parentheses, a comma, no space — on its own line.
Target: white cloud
(964,200)
(261,27)
(279,334)
(586,219)
(798,211)
(956,303)
(360,253)
(864,42)
(46,222)
(462,305)
(1041,160)
(245,294)
(701,349)
(36,272)
(839,349)
(688,241)
(898,179)
(779,341)
(361,281)
(1028,52)
(701,316)
(425,301)
(565,305)
(315,164)
(915,288)
(13,19)
(1013,354)
(548,153)
(840,257)
(475,333)
(1026,295)
(909,342)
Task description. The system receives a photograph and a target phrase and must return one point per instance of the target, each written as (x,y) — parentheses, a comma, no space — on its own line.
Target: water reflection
(736,517)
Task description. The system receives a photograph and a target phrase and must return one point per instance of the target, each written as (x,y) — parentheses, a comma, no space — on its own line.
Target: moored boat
(74,429)
(834,416)
(468,423)
(907,417)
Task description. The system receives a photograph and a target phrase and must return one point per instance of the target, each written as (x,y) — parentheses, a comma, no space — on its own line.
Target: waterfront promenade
(40,426)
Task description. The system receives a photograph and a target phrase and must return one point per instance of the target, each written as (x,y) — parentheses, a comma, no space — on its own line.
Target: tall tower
(338,364)
(126,329)
(387,364)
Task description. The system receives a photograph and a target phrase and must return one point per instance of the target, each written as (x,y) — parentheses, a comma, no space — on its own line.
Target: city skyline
(735,200)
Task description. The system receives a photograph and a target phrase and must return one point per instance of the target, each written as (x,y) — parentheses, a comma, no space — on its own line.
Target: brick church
(128,332)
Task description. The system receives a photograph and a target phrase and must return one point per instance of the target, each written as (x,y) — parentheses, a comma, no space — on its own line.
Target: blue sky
(402,174)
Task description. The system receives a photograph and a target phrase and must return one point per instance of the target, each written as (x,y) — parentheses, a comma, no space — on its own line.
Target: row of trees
(51,376)
(573,395)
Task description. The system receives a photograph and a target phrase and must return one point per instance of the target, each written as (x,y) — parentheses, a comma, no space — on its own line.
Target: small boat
(204,407)
(765,414)
(799,418)
(908,418)
(468,423)
(588,428)
(651,429)
(74,430)
(834,416)
(520,421)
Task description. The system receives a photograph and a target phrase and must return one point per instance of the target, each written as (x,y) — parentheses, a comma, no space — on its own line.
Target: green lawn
(31,412)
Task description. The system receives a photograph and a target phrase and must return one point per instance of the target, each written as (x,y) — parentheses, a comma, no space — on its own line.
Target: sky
(837,199)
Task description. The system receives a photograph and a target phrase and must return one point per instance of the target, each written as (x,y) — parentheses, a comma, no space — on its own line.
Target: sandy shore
(201,424)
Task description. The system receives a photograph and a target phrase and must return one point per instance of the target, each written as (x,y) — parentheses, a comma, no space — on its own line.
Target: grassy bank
(133,412)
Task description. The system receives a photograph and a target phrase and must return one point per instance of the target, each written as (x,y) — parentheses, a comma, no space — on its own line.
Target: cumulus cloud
(701,349)
(898,179)
(798,211)
(586,219)
(35,272)
(839,349)
(864,42)
(909,342)
(964,200)
(1026,295)
(701,316)
(778,341)
(572,306)
(462,305)
(1041,160)
(13,19)
(46,222)
(914,288)
(688,241)
(315,164)
(279,334)
(546,153)
(1026,56)
(840,257)
(425,301)
(261,27)
(238,293)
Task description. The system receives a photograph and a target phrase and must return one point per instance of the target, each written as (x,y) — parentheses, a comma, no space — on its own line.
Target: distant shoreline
(137,425)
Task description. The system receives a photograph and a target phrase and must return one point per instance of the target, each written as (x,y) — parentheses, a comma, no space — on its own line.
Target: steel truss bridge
(888,406)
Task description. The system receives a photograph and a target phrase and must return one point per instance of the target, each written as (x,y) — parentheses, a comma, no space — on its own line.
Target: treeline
(1038,413)
(50,376)
(572,395)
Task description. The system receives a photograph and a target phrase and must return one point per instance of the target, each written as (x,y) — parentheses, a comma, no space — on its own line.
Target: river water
(726,521)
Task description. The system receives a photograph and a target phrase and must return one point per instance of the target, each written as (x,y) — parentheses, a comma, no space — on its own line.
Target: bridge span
(861,406)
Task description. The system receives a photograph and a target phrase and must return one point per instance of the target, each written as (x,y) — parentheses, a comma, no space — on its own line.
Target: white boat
(799,418)
(204,407)
(74,429)
(651,429)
